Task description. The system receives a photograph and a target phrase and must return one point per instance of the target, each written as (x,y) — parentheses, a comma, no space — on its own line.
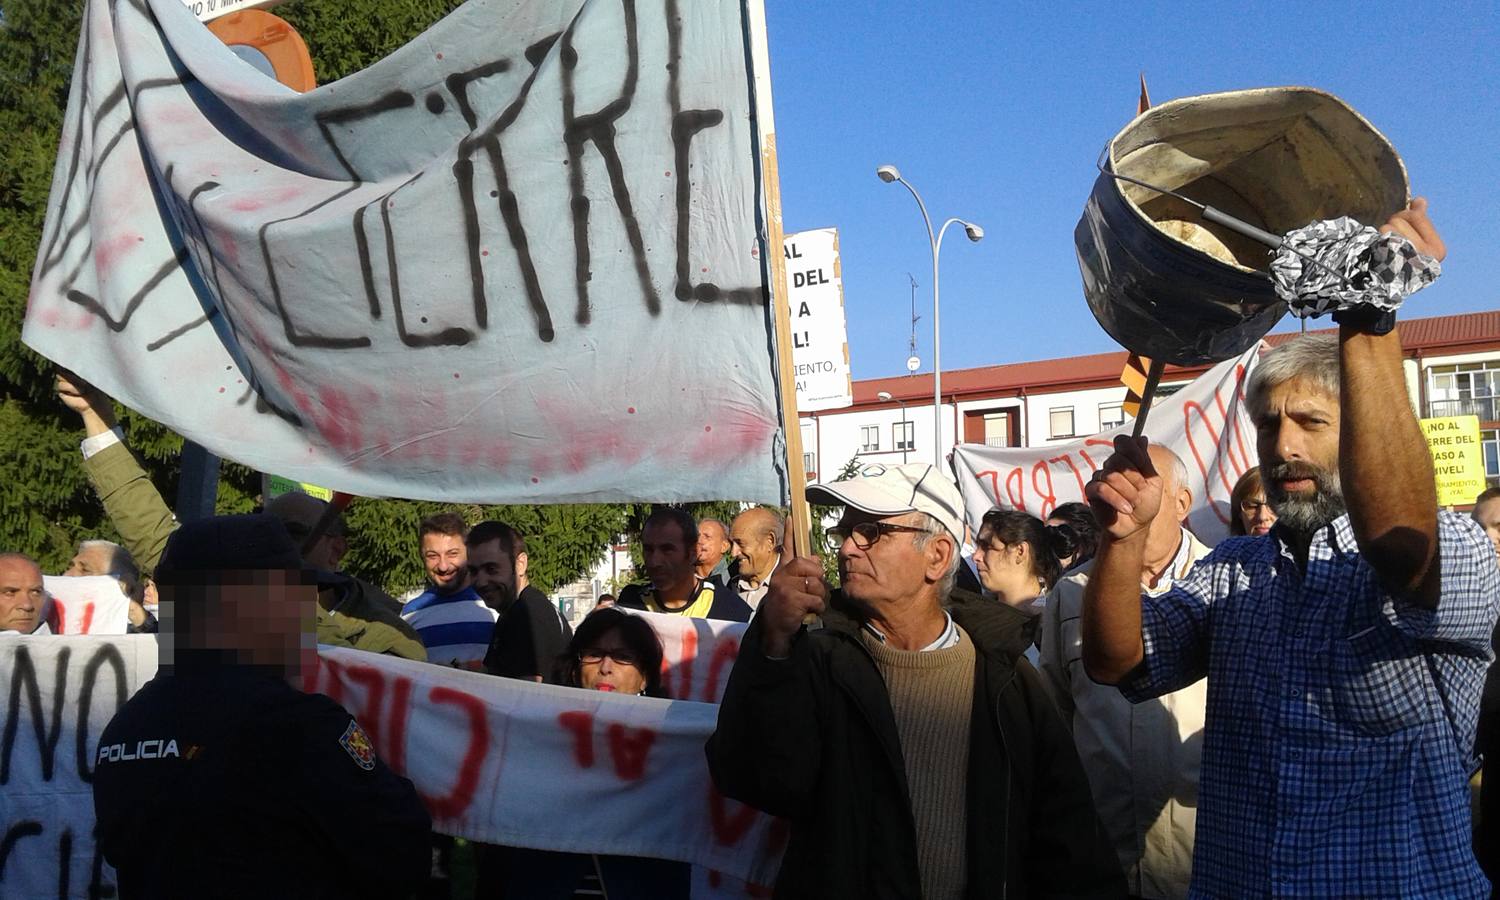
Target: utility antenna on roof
(911,344)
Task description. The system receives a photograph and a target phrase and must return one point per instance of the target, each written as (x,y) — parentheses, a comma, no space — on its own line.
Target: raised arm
(1384,462)
(1125,495)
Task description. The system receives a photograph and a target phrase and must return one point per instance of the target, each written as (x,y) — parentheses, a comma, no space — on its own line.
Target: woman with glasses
(1249,513)
(615,652)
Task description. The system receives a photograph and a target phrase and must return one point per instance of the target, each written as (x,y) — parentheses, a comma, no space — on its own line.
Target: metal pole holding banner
(199,487)
(791,426)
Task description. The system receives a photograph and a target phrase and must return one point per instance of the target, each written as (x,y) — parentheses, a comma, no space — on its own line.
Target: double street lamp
(889,174)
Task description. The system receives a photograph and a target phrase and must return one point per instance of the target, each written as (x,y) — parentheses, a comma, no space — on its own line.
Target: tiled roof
(1427,335)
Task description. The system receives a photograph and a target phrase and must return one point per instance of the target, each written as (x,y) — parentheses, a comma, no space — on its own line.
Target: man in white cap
(912,751)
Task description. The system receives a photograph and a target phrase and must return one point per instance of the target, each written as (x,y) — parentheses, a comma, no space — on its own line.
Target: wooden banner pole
(800,526)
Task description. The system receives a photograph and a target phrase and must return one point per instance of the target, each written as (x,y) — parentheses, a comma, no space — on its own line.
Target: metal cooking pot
(1172,287)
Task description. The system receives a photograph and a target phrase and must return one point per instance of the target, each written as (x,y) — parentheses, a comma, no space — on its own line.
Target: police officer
(218,778)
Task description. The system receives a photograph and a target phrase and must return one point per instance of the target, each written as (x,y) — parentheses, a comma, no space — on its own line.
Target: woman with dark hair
(616,652)
(1249,513)
(1018,557)
(613,651)
(1084,531)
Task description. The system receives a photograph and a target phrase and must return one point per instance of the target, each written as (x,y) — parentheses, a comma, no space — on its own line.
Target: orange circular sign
(268,41)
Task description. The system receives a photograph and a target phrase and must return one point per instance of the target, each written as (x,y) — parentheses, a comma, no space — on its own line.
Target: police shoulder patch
(357,744)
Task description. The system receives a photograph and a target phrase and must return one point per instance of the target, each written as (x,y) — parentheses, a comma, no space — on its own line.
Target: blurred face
(1064,562)
(1487,514)
(91,561)
(21,595)
(669,562)
(751,546)
(890,569)
(713,543)
(1256,514)
(1006,571)
(1298,439)
(610,665)
(446,561)
(267,617)
(492,575)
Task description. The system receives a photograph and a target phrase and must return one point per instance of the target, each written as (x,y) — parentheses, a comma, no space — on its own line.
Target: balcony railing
(997,442)
(1486,408)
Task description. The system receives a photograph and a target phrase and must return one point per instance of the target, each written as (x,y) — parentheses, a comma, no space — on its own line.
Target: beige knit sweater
(932,698)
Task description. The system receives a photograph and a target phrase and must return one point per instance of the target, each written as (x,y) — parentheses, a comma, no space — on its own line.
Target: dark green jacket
(359,617)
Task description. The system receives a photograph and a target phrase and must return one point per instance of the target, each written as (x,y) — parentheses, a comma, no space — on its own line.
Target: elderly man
(669,539)
(1344,651)
(1142,760)
(109,558)
(710,562)
(914,754)
(755,539)
(23,599)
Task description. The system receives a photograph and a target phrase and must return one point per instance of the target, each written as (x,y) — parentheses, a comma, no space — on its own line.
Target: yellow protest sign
(1457,458)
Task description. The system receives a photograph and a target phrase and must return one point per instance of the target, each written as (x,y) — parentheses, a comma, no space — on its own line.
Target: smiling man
(914,752)
(1344,651)
(452,619)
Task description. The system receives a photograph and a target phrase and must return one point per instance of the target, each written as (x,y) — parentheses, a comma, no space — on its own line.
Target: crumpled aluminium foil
(1353,265)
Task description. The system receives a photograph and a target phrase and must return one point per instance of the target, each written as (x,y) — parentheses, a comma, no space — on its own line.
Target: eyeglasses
(865,534)
(1252,507)
(595,655)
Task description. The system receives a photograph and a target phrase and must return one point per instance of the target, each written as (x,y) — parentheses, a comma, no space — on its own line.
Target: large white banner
(85,604)
(494,759)
(497,266)
(1205,423)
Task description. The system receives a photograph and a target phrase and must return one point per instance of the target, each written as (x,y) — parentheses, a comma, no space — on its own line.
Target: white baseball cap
(892,490)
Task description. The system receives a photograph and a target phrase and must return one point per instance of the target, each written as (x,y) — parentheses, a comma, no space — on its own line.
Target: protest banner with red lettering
(495,760)
(1205,424)
(85,604)
(474,271)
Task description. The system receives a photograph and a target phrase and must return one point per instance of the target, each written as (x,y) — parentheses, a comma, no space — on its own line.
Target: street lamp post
(889,174)
(905,444)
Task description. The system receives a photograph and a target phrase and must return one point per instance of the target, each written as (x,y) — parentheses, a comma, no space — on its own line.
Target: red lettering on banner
(88,618)
(994,478)
(400,712)
(724,654)
(582,726)
(453,804)
(629,750)
(685,664)
(1067,459)
(1094,442)
(1241,463)
(333,682)
(370,716)
(1188,409)
(1016,502)
(729,829)
(1046,497)
(57,616)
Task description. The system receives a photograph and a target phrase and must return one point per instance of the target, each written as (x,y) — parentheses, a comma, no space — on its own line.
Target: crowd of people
(1094,705)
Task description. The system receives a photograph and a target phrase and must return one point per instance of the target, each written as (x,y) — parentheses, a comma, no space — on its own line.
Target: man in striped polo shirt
(450,617)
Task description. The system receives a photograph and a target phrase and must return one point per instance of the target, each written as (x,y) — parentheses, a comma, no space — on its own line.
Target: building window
(1111,415)
(869,439)
(1061,418)
(1471,389)
(903,436)
(997,429)
(1490,440)
(810,463)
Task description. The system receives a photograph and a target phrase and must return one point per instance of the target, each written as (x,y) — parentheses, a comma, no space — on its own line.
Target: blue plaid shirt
(1340,722)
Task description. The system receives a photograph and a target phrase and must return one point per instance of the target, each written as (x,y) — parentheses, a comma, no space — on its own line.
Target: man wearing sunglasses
(913,751)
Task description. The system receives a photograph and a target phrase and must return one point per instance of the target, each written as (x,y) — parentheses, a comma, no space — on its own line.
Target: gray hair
(1314,357)
(932,528)
(122,567)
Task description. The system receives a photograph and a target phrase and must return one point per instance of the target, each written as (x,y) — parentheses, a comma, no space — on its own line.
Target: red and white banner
(496,760)
(86,604)
(1205,423)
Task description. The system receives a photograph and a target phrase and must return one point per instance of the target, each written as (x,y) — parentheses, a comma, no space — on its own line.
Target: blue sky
(996,112)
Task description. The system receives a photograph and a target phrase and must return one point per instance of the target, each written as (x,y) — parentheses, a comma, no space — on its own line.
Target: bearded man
(1345,650)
